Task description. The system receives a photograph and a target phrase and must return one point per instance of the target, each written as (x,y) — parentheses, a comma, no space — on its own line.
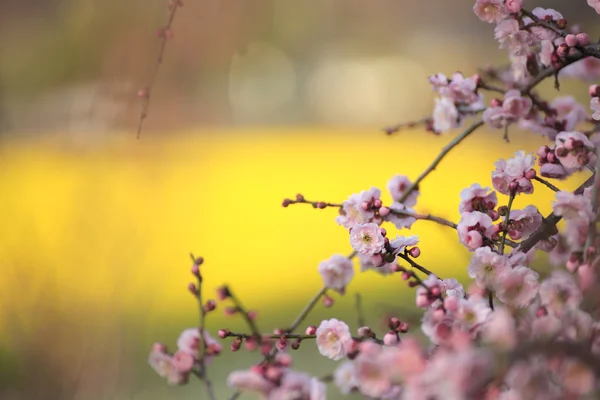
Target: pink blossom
(366,263)
(438,327)
(539,31)
(511,37)
(516,105)
(576,376)
(500,329)
(517,287)
(162,364)
(402,242)
(367,239)
(574,151)
(373,376)
(462,90)
(398,216)
(472,313)
(497,117)
(514,170)
(546,52)
(189,341)
(445,115)
(595,4)
(514,6)
(575,233)
(345,377)
(183,361)
(298,386)
(333,339)
(358,209)
(490,10)
(397,187)
(486,266)
(337,272)
(249,381)
(560,292)
(406,360)
(525,221)
(477,198)
(473,228)
(595,106)
(588,70)
(450,287)
(556,171)
(572,206)
(569,112)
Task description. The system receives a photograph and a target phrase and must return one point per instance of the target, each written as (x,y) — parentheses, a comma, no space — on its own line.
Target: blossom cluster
(527,324)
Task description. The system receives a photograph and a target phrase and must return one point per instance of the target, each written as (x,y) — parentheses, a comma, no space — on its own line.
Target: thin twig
(439,158)
(239,306)
(406,125)
(163,44)
(545,182)
(203,346)
(307,309)
(506,222)
(415,265)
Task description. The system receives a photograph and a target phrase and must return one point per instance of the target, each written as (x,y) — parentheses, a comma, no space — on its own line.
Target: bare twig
(545,182)
(307,309)
(201,329)
(406,125)
(415,265)
(145,92)
(439,158)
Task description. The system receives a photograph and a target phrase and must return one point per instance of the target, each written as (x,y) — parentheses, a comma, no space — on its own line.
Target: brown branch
(455,142)
(415,265)
(407,125)
(545,182)
(145,92)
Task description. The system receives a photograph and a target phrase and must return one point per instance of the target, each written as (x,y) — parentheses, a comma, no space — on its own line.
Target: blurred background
(256,101)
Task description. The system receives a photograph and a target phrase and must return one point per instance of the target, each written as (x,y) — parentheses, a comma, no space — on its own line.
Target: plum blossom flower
(546,52)
(162,363)
(497,117)
(514,6)
(367,239)
(517,287)
(439,83)
(516,105)
(574,151)
(477,198)
(398,186)
(486,266)
(249,381)
(445,115)
(595,4)
(559,293)
(298,386)
(345,377)
(450,287)
(490,10)
(473,228)
(366,263)
(189,341)
(358,209)
(572,206)
(514,171)
(595,106)
(373,376)
(471,313)
(333,339)
(511,37)
(337,272)
(462,90)
(400,216)
(524,222)
(402,242)
(425,293)
(544,14)
(500,329)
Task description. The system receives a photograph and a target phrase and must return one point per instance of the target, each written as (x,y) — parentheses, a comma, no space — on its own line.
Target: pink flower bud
(223,333)
(364,205)
(252,315)
(377,260)
(384,211)
(414,252)
(572,264)
(394,323)
(192,288)
(406,275)
(514,234)
(496,103)
(286,202)
(230,311)
(530,174)
(514,6)
(183,361)
(377,203)
(327,301)
(587,277)
(435,291)
(562,50)
(594,91)
(391,339)
(403,327)
(422,301)
(541,312)
(283,359)
(282,343)
(159,348)
(438,314)
(583,39)
(250,344)
(551,157)
(296,344)
(273,374)
(364,331)
(223,293)
(311,330)
(195,270)
(236,344)
(571,40)
(513,186)
(210,305)
(321,205)
(494,215)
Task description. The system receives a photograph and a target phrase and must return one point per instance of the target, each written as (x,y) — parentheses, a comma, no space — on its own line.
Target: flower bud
(391,339)
(311,330)
(571,40)
(583,39)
